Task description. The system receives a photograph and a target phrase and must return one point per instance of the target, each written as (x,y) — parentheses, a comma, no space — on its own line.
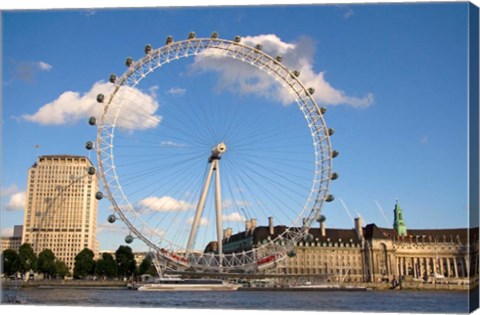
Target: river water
(365,301)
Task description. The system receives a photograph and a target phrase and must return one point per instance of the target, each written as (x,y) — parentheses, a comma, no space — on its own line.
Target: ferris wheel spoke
(255,189)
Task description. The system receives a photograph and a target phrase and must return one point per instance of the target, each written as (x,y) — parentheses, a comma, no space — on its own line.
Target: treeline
(120,265)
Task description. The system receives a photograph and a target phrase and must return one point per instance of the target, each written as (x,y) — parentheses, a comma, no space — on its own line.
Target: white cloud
(172,144)
(71,106)
(10,190)
(203,221)
(154,232)
(17,201)
(26,70)
(165,204)
(44,66)
(228,203)
(233,217)
(7,232)
(424,140)
(240,78)
(114,228)
(176,91)
(348,12)
(153,91)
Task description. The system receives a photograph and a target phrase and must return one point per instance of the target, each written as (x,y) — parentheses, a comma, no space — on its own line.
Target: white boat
(179,284)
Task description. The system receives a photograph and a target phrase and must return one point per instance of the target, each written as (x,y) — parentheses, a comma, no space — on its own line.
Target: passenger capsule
(111,218)
(128,239)
(100,98)
(308,237)
(323,110)
(148,49)
(334,176)
(128,62)
(311,91)
(279,58)
(321,218)
(292,253)
(258,47)
(296,73)
(214,35)
(112,78)
(331,131)
(99,195)
(89,145)
(237,39)
(335,154)
(92,121)
(169,40)
(191,35)
(91,170)
(329,198)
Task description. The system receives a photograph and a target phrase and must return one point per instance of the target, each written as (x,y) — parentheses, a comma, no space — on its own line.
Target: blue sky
(393,77)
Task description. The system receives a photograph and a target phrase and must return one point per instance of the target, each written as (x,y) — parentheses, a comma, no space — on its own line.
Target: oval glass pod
(91,170)
(308,237)
(321,218)
(100,98)
(128,239)
(112,78)
(99,195)
(148,49)
(112,218)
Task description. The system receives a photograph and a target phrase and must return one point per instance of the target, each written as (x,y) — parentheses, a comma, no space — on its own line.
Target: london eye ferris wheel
(192,169)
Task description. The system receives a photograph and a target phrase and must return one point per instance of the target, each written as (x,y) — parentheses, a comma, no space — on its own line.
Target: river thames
(364,301)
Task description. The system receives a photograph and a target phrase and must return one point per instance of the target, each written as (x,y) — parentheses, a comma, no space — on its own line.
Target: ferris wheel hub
(218,151)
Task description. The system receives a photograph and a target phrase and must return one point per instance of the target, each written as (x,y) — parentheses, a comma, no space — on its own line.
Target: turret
(398,224)
(270,226)
(359,228)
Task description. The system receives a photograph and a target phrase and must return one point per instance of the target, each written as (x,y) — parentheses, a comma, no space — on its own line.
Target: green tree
(100,270)
(146,267)
(62,270)
(28,259)
(106,266)
(84,264)
(125,261)
(110,265)
(46,263)
(11,262)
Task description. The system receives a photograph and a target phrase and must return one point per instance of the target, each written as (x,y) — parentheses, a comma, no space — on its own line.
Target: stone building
(369,253)
(13,242)
(61,208)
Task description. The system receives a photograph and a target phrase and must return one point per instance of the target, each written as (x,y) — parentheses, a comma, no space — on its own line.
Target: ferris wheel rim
(273,67)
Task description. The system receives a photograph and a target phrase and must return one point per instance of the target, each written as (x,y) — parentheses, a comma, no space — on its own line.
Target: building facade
(13,242)
(369,253)
(61,208)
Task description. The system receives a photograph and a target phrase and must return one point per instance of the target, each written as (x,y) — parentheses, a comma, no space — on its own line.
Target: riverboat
(179,284)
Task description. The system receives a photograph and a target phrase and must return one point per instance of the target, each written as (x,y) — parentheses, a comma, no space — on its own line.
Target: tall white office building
(61,208)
